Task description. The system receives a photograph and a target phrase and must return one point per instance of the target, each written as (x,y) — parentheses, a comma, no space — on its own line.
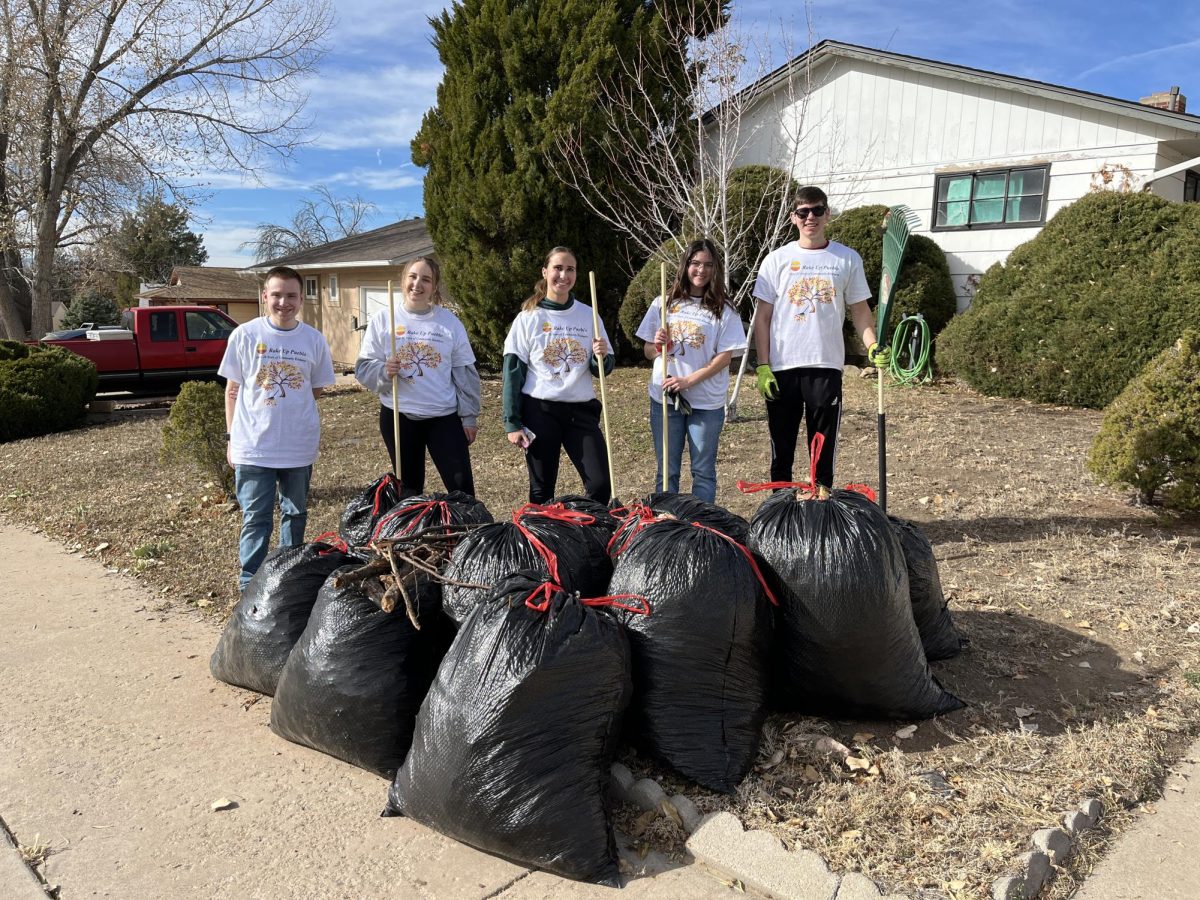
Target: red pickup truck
(165,346)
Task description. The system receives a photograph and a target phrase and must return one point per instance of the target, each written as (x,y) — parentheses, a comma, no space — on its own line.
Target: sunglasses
(803,212)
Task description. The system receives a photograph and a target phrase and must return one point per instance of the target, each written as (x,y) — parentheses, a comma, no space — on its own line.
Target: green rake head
(897,224)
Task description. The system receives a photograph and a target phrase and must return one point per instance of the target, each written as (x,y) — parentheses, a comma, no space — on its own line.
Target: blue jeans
(255,487)
(701,428)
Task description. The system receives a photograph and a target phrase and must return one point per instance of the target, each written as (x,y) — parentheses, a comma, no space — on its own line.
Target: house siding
(881,132)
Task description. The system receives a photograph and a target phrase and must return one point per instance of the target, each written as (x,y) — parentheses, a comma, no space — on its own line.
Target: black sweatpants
(816,396)
(574,427)
(447,445)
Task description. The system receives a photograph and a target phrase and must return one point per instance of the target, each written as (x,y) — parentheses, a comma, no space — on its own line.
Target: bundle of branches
(400,565)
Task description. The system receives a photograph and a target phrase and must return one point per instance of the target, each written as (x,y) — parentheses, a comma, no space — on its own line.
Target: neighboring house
(983,159)
(345,281)
(230,290)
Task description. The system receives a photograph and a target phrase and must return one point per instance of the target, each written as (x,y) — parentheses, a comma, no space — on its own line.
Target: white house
(983,159)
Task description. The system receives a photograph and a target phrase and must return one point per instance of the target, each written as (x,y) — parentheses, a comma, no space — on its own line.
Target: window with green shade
(991,198)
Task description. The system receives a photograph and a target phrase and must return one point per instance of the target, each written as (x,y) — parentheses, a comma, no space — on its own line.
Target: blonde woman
(437,383)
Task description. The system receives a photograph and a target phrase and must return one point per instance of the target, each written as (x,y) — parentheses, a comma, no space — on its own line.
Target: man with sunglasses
(805,288)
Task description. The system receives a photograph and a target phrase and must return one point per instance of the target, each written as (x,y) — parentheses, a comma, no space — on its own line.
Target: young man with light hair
(275,368)
(804,289)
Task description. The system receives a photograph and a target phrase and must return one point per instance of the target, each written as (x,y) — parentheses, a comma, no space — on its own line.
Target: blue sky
(381,74)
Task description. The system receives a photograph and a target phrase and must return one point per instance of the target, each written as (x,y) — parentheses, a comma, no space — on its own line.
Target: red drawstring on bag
(636,517)
(425,508)
(809,488)
(334,540)
(555,511)
(547,591)
(749,558)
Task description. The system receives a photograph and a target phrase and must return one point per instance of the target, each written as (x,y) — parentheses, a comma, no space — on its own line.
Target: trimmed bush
(1076,313)
(1150,436)
(43,389)
(644,288)
(92,307)
(924,285)
(195,432)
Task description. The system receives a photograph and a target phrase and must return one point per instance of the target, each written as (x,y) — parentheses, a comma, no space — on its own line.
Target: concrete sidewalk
(1159,858)
(116,742)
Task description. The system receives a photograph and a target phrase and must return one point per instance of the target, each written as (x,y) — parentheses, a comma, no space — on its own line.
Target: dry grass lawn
(1083,612)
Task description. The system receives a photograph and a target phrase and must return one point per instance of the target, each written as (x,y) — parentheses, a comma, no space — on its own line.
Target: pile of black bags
(496,699)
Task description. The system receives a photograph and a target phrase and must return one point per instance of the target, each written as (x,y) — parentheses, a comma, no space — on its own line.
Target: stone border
(1051,847)
(760,861)
(755,858)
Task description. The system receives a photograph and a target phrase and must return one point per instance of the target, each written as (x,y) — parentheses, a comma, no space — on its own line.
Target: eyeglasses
(803,212)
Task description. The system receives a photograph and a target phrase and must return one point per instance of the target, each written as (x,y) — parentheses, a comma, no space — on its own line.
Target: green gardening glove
(880,357)
(767,385)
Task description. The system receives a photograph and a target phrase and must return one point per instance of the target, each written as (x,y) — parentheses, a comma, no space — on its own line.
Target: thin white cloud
(223,241)
(1122,61)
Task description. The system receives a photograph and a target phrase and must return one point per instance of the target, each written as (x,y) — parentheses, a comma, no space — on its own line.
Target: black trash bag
(939,637)
(691,508)
(846,642)
(570,555)
(605,520)
(700,659)
(272,614)
(513,747)
(416,514)
(364,511)
(356,678)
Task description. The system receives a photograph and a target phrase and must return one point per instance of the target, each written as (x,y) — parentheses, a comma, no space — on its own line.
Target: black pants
(574,427)
(448,448)
(816,396)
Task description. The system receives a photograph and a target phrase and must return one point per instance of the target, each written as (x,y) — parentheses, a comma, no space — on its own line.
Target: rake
(897,224)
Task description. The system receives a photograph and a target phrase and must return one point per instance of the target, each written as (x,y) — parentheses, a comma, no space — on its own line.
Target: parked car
(166,346)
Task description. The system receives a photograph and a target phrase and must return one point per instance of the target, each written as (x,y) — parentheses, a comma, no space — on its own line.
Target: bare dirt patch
(1082,611)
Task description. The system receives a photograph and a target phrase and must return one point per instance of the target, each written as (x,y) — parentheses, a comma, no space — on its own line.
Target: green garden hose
(911,343)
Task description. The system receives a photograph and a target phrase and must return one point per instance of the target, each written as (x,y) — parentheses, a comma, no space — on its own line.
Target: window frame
(315,293)
(222,329)
(332,281)
(171,334)
(975,174)
(1191,179)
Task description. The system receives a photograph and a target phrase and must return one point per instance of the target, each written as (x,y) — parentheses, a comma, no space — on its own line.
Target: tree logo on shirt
(563,351)
(276,377)
(806,293)
(686,334)
(416,355)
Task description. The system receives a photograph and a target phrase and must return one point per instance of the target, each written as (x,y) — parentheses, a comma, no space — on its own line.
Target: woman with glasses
(703,331)
(805,288)
(550,356)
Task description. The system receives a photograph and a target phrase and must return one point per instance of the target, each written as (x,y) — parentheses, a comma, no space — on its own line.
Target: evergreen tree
(517,76)
(151,241)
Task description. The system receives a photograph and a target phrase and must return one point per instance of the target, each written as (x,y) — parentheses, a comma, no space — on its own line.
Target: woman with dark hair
(438,390)
(550,356)
(702,333)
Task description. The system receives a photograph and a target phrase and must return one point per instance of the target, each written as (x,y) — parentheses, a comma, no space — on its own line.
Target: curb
(17,880)
(755,858)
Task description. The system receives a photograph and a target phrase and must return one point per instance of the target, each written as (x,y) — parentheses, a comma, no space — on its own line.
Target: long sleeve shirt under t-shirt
(544,356)
(437,375)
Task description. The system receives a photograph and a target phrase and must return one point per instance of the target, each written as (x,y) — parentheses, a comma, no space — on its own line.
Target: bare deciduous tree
(318,221)
(115,96)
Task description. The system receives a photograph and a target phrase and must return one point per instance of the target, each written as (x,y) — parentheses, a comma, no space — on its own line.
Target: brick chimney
(1171,100)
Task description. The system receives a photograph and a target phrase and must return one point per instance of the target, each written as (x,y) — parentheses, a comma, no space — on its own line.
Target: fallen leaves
(906,732)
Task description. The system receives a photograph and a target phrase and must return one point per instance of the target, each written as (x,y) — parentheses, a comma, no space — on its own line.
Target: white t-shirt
(275,420)
(556,345)
(697,336)
(808,291)
(430,345)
